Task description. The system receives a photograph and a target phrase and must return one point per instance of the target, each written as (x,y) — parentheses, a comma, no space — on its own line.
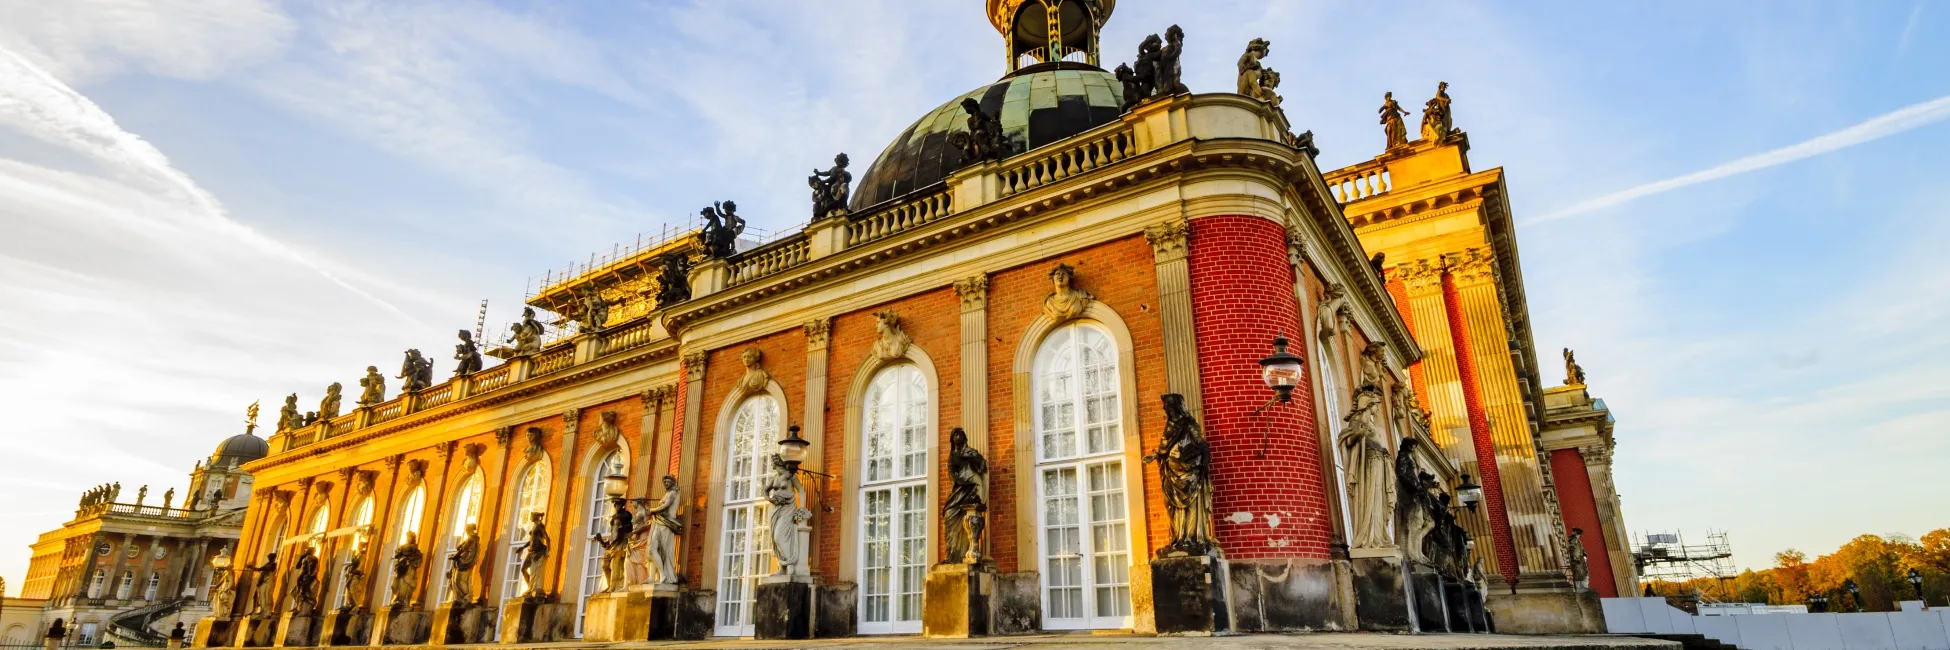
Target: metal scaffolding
(1666,557)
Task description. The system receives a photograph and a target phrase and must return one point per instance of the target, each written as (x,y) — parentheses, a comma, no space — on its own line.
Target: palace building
(1080,350)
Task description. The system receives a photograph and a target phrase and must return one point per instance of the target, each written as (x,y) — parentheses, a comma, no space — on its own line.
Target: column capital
(1471,266)
(693,363)
(818,332)
(974,293)
(1169,240)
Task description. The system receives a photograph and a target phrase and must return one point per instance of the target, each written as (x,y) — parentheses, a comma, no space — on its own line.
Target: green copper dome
(1037,105)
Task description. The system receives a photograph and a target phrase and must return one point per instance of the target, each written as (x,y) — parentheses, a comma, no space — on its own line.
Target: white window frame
(896,404)
(753,435)
(531,496)
(1109,459)
(361,518)
(155,583)
(1330,397)
(467,510)
(592,553)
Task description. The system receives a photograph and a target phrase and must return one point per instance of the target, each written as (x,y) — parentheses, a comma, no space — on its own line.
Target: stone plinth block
(614,616)
(836,610)
(297,631)
(398,625)
(256,632)
(1189,595)
(697,614)
(957,601)
(1381,601)
(1479,620)
(1425,586)
(518,621)
(1285,595)
(783,608)
(455,624)
(661,622)
(1456,599)
(212,632)
(1018,604)
(342,626)
(1546,612)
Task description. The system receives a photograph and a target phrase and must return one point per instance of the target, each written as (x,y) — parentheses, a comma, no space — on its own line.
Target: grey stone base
(1018,604)
(616,616)
(1546,612)
(1286,595)
(1381,594)
(1425,587)
(836,610)
(518,621)
(344,627)
(956,602)
(461,624)
(401,626)
(212,632)
(297,631)
(1189,595)
(258,631)
(696,614)
(782,608)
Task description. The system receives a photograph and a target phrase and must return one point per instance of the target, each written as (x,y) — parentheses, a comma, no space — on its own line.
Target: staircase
(132,627)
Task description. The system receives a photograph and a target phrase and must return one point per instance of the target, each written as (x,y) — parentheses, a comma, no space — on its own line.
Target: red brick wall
(1580,508)
(1242,297)
(1121,274)
(1479,429)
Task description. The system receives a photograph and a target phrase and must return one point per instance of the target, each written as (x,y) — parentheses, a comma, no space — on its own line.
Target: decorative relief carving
(445,450)
(893,341)
(1332,310)
(606,430)
(1472,266)
(974,292)
(366,478)
(655,397)
(416,469)
(1420,277)
(693,363)
(472,459)
(1065,301)
(571,421)
(534,450)
(755,376)
(392,462)
(1169,240)
(345,474)
(818,332)
(503,436)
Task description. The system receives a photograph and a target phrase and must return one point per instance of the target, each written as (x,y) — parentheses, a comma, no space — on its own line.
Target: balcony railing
(553,360)
(1363,181)
(388,410)
(491,379)
(439,394)
(902,216)
(626,338)
(1069,161)
(771,258)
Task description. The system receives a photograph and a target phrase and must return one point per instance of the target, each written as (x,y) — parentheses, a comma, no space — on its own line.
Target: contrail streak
(1876,128)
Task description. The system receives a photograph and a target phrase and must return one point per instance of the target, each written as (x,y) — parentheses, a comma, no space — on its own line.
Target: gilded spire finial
(250,418)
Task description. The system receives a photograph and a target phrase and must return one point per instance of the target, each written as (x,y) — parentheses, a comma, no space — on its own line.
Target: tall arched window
(894,500)
(1330,397)
(531,496)
(149,590)
(467,512)
(95,586)
(1086,557)
(409,523)
(315,529)
(122,588)
(599,510)
(361,535)
(746,549)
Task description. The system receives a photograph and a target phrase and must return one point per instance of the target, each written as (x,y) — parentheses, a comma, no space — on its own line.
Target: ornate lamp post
(1469,492)
(792,451)
(1916,582)
(1281,370)
(1818,602)
(1854,594)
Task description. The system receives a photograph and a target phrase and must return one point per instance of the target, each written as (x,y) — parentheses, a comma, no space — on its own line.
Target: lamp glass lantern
(221,561)
(1281,370)
(793,448)
(1915,578)
(1470,493)
(616,485)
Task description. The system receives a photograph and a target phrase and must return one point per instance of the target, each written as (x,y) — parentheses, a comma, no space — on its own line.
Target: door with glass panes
(745,546)
(893,500)
(1081,496)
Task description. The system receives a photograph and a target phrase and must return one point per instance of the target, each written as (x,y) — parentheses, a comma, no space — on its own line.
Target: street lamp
(1281,370)
(1819,602)
(1470,493)
(1916,582)
(1854,593)
(792,452)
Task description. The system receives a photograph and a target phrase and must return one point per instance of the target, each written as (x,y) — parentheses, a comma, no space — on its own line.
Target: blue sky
(214,202)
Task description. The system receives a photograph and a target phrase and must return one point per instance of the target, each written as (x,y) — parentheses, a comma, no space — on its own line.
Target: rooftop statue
(468,354)
(984,140)
(1437,122)
(1171,77)
(1391,121)
(1255,80)
(1573,373)
(673,281)
(373,387)
(288,417)
(328,408)
(416,372)
(1133,87)
(830,188)
(1185,471)
(592,311)
(722,226)
(527,334)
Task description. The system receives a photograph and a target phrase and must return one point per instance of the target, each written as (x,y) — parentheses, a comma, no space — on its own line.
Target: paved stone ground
(1314,641)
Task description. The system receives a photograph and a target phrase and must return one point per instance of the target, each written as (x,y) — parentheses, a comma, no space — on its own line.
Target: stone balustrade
(1047,167)
(1363,181)
(771,258)
(899,217)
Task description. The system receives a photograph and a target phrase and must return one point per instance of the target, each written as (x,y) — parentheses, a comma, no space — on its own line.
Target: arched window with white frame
(361,536)
(894,500)
(531,496)
(409,524)
(149,590)
(745,548)
(466,512)
(127,583)
(95,586)
(1330,397)
(592,552)
(1082,501)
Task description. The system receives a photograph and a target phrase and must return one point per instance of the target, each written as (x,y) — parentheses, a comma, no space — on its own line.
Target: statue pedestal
(297,630)
(1425,587)
(957,602)
(783,607)
(664,607)
(212,632)
(398,625)
(614,616)
(343,625)
(1381,601)
(1189,595)
(518,621)
(1456,599)
(458,623)
(257,631)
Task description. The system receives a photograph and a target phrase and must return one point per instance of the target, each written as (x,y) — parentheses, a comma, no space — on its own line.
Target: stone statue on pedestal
(782,490)
(1579,561)
(223,589)
(1437,123)
(665,524)
(830,188)
(288,417)
(328,408)
(406,565)
(534,554)
(141,494)
(416,372)
(372,387)
(169,495)
(1573,373)
(1369,493)
(968,471)
(263,586)
(1256,80)
(673,281)
(527,333)
(616,547)
(592,311)
(355,578)
(460,567)
(304,589)
(1171,76)
(984,140)
(722,225)
(467,354)
(1391,121)
(1410,500)
(1185,472)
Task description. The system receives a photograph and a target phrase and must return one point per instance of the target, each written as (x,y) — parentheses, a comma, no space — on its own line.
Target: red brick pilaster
(1479,431)
(1580,508)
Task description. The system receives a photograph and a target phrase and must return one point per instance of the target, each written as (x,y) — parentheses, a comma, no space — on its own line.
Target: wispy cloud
(1881,126)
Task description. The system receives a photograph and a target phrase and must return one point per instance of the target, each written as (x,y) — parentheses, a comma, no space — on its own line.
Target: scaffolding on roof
(1666,557)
